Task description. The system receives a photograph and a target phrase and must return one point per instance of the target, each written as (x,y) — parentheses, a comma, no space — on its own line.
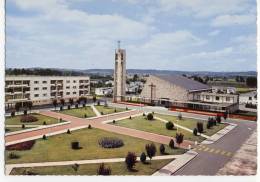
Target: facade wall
(42,89)
(248,99)
(218,98)
(163,89)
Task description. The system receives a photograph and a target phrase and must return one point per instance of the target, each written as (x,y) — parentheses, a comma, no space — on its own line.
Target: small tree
(195,131)
(169,125)
(68,131)
(13,114)
(130,117)
(85,115)
(225,115)
(25,112)
(75,167)
(171,144)
(115,110)
(102,170)
(150,116)
(143,158)
(114,121)
(200,127)
(23,126)
(30,104)
(44,137)
(62,102)
(126,108)
(71,101)
(150,150)
(89,126)
(44,123)
(218,118)
(61,108)
(76,106)
(17,106)
(130,160)
(94,99)
(54,103)
(180,116)
(162,149)
(179,138)
(68,107)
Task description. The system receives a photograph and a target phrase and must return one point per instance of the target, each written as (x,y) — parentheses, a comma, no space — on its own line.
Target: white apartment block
(43,89)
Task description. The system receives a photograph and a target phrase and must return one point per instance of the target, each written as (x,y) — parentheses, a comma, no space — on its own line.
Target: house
(248,98)
(104,91)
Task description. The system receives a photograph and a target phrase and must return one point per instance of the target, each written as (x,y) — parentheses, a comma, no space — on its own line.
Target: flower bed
(28,119)
(108,142)
(21,146)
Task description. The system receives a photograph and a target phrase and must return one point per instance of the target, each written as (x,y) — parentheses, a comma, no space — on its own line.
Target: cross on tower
(152,87)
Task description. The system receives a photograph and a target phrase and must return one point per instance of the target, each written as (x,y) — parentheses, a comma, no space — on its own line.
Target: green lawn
(192,123)
(41,118)
(80,112)
(57,148)
(118,168)
(242,90)
(108,110)
(155,126)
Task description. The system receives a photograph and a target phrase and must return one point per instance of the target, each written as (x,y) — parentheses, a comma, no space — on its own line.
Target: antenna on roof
(118,44)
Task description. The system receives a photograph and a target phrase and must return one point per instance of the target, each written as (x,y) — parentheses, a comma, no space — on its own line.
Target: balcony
(13,85)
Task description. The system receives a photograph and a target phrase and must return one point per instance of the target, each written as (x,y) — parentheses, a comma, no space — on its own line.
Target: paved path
(95,110)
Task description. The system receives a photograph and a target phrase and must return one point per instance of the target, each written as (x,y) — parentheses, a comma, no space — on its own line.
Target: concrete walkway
(95,110)
(9,167)
(179,162)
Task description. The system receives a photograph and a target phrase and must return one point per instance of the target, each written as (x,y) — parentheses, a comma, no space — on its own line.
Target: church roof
(184,82)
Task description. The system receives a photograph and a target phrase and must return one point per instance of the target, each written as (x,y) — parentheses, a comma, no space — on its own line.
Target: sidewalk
(95,110)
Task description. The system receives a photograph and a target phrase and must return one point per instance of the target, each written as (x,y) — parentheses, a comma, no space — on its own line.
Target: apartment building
(43,89)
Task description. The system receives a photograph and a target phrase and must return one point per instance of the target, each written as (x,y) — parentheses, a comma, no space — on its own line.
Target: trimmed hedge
(110,142)
(28,119)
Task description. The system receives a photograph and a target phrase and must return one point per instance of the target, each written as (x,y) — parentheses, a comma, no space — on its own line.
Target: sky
(184,35)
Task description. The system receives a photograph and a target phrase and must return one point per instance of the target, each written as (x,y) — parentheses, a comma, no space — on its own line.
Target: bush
(28,119)
(143,114)
(44,123)
(179,138)
(171,144)
(85,115)
(150,150)
(101,113)
(25,112)
(162,149)
(60,120)
(61,108)
(83,105)
(68,107)
(77,106)
(130,160)
(13,114)
(13,155)
(200,127)
(28,172)
(195,131)
(169,125)
(111,142)
(23,126)
(75,145)
(102,170)
(98,103)
(114,121)
(150,116)
(225,115)
(218,118)
(21,146)
(130,117)
(89,126)
(180,116)
(143,157)
(75,167)
(126,108)
(68,131)
(208,126)
(44,137)
(115,110)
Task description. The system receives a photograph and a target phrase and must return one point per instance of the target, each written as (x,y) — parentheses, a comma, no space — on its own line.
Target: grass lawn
(41,118)
(58,147)
(192,123)
(242,90)
(108,110)
(155,126)
(80,112)
(118,168)
(12,129)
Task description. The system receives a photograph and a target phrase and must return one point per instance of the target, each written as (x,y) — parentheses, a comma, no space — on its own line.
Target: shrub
(44,123)
(68,107)
(61,108)
(98,103)
(208,126)
(218,118)
(75,167)
(150,116)
(21,146)
(25,112)
(171,144)
(102,170)
(111,142)
(28,172)
(89,126)
(28,119)
(44,137)
(13,155)
(60,120)
(179,138)
(169,125)
(200,127)
(114,121)
(23,126)
(130,117)
(143,114)
(68,131)
(225,115)
(77,105)
(83,105)
(130,160)
(85,115)
(143,157)
(75,145)
(115,110)
(195,131)
(150,150)
(180,116)
(13,114)
(162,149)
(126,108)
(101,113)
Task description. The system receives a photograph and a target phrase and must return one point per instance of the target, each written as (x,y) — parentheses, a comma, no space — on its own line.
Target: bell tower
(119,74)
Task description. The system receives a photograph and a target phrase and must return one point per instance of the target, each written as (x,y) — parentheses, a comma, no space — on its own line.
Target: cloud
(214,33)
(233,20)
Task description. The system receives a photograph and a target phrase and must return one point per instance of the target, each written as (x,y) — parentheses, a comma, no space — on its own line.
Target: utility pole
(152,94)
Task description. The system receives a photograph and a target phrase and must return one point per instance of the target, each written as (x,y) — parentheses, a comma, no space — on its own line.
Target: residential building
(248,98)
(43,89)
(104,91)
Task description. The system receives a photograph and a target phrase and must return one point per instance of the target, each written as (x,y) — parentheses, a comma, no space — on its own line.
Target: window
(249,98)
(67,93)
(207,97)
(36,95)
(36,88)
(67,87)
(217,97)
(74,87)
(227,98)
(74,81)
(74,93)
(44,82)
(44,88)
(44,95)
(68,81)
(35,82)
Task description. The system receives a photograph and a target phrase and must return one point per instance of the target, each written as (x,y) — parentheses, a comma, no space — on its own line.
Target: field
(58,147)
(108,110)
(118,168)
(79,112)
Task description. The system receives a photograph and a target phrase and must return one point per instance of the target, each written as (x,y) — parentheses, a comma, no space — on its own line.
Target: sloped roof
(183,82)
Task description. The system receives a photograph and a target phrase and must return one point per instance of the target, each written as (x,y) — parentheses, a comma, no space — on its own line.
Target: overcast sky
(188,35)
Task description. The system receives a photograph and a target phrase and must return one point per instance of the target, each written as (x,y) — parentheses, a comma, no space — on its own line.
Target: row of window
(67,81)
(45,88)
(45,94)
(217,98)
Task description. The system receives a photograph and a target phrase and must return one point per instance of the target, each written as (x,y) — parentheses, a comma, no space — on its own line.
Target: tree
(150,116)
(162,149)
(130,160)
(62,102)
(94,99)
(200,127)
(71,101)
(102,170)
(225,115)
(30,104)
(171,144)
(75,167)
(150,150)
(169,125)
(143,157)
(180,116)
(195,131)
(218,118)
(17,106)
(55,103)
(179,138)
(251,81)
